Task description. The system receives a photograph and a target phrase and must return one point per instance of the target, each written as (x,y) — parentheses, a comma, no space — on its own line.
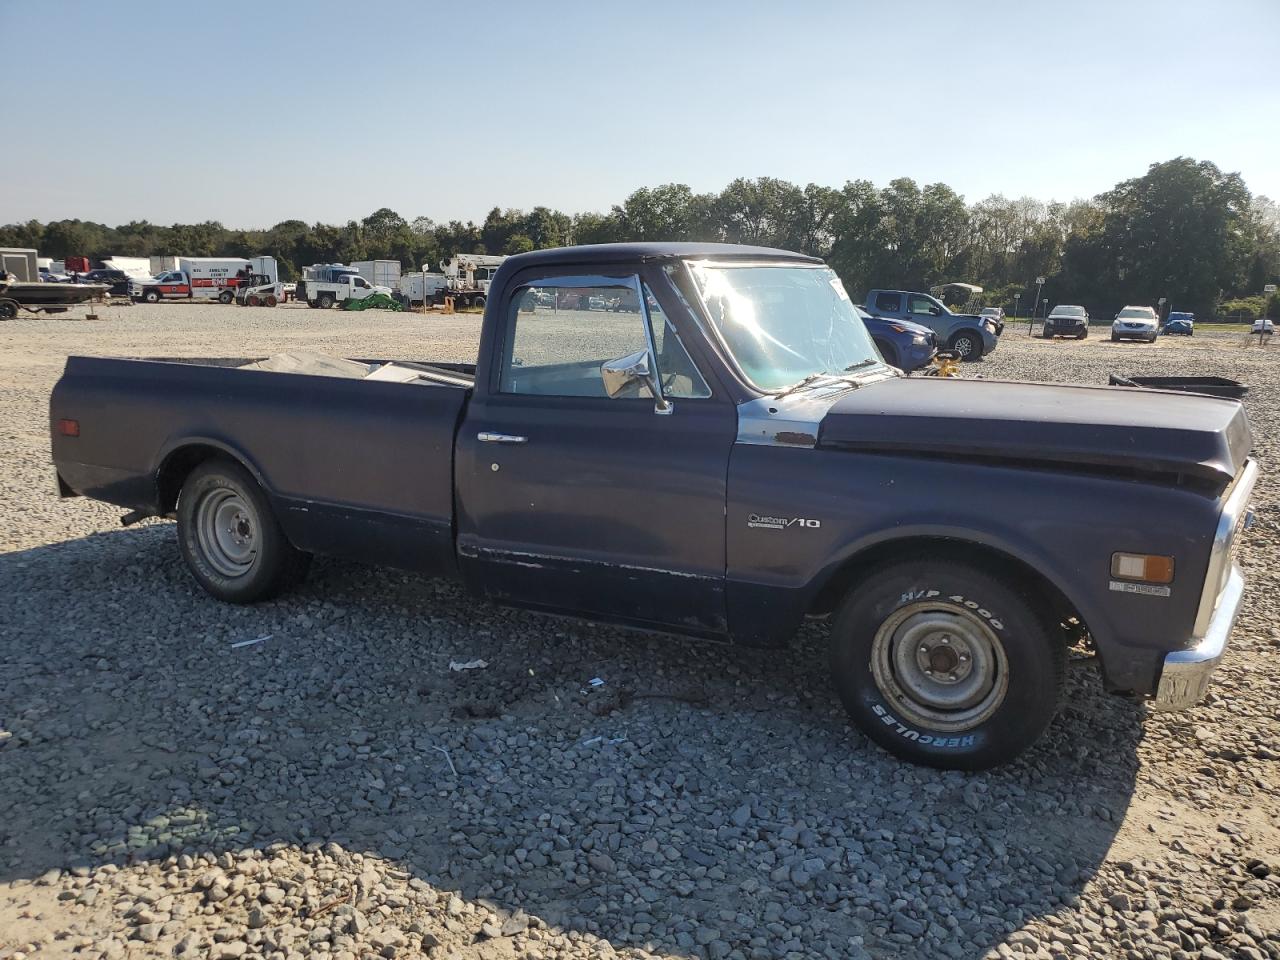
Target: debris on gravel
(169,790)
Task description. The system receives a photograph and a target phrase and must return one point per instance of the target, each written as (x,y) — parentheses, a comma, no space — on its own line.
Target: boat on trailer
(46,297)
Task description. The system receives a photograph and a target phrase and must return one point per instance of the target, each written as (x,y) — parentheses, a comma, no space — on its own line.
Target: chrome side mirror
(633,369)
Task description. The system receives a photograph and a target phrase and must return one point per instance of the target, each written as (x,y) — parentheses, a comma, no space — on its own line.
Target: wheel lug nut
(928,673)
(924,649)
(964,658)
(946,640)
(952,676)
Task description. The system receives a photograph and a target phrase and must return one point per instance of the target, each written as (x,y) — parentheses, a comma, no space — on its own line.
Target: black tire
(255,561)
(1047,334)
(1114,338)
(968,345)
(888,351)
(151,296)
(8,309)
(478,302)
(946,607)
(312,304)
(324,301)
(1082,334)
(226,296)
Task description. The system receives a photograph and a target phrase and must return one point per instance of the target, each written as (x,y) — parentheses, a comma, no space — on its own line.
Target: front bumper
(1186,673)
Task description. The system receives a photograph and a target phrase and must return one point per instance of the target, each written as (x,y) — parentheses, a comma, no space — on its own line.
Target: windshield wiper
(870,361)
(800,386)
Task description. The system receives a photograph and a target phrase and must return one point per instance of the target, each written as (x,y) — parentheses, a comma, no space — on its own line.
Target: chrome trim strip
(1232,515)
(484,436)
(1186,673)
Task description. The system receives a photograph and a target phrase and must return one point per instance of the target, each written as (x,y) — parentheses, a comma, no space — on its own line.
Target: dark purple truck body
(608,511)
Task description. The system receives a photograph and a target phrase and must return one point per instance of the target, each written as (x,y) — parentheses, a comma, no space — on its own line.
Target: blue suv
(903,344)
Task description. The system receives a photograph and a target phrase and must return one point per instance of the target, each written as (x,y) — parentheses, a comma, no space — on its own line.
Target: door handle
(485,436)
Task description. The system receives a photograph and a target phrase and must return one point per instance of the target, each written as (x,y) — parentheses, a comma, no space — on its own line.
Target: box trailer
(21,262)
(420,287)
(380,273)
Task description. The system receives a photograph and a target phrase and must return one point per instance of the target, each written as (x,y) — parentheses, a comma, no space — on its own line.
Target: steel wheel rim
(227,532)
(940,666)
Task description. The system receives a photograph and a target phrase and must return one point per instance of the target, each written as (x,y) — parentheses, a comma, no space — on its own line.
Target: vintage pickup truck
(723,461)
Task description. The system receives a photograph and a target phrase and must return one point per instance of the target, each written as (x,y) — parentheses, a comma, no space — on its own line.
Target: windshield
(1136,313)
(1067,312)
(784,323)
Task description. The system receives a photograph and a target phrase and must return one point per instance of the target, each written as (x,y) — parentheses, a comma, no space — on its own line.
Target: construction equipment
(259,290)
(946,363)
(467,278)
(375,301)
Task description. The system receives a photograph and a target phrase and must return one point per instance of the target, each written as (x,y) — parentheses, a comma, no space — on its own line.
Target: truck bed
(358,467)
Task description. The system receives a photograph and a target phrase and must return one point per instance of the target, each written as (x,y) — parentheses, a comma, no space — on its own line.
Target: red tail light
(69,428)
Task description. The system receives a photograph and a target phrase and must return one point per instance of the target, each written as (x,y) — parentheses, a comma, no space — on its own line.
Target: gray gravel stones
(163,794)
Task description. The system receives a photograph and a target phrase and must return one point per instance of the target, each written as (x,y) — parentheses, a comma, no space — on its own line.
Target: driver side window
(561,335)
(922,306)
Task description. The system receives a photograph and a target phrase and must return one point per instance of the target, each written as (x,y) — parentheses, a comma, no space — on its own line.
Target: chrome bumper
(1186,673)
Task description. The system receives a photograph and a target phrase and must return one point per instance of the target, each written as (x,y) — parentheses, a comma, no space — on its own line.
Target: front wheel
(967,345)
(888,351)
(151,296)
(8,309)
(229,537)
(945,664)
(1082,334)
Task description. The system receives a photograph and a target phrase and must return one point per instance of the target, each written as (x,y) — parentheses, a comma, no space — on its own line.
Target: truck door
(174,285)
(570,499)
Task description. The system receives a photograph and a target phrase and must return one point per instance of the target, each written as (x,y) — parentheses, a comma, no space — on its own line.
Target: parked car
(1066,320)
(995,313)
(903,344)
(725,462)
(969,335)
(1263,326)
(117,280)
(1136,323)
(1181,324)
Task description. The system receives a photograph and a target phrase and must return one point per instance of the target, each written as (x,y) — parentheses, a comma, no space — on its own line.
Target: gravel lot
(336,789)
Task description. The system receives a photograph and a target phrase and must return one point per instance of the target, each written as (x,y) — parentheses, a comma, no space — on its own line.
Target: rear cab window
(889,302)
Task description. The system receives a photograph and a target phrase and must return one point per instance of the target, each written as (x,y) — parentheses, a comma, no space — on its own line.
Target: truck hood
(1149,432)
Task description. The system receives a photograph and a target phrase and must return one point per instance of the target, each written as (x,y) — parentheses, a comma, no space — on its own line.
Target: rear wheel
(8,309)
(230,539)
(270,301)
(325,301)
(946,664)
(478,302)
(967,345)
(226,296)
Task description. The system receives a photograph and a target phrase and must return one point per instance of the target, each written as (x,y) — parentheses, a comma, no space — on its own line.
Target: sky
(255,113)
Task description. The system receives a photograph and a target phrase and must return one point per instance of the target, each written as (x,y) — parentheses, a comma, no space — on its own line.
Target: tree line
(1185,231)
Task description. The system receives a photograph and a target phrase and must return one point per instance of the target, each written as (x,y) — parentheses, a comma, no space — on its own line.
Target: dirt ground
(308,776)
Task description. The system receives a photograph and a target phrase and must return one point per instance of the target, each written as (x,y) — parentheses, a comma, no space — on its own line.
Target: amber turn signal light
(1146,567)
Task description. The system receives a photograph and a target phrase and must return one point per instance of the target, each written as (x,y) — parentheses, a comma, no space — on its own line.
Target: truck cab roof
(631,252)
